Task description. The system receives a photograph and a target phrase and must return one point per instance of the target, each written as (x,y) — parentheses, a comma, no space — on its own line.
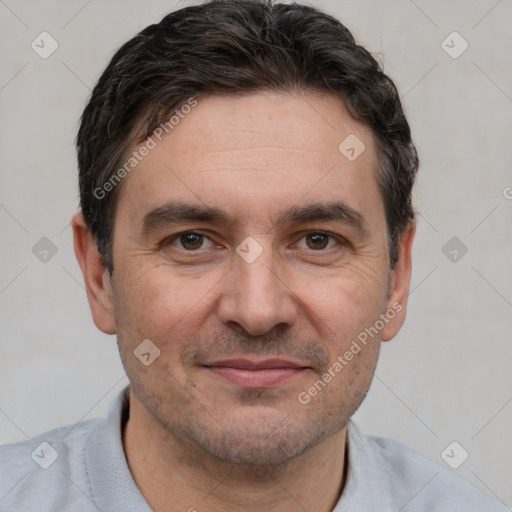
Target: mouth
(256,374)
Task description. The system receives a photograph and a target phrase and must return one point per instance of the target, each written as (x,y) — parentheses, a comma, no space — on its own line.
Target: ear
(400,282)
(96,276)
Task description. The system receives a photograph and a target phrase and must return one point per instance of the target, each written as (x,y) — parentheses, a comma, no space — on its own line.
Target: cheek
(149,307)
(157,304)
(346,383)
(347,302)
(346,314)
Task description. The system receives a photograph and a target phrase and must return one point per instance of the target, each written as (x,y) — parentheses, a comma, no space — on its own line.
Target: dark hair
(232,47)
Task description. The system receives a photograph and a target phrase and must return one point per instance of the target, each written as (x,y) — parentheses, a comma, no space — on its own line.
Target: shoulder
(417,483)
(52,462)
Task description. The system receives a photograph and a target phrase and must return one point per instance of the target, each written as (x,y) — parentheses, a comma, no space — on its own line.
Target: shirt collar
(367,487)
(112,484)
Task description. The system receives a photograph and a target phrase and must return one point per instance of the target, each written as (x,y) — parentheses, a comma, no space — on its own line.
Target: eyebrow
(176,212)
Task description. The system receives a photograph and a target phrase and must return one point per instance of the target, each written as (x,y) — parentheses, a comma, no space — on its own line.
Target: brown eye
(191,241)
(317,240)
(189,244)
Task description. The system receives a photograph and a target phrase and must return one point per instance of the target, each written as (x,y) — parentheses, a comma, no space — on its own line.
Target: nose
(255,297)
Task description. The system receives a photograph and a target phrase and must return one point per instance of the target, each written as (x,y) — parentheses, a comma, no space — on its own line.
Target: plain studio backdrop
(445,378)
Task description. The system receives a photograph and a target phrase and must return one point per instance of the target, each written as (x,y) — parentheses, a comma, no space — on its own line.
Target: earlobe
(96,276)
(400,283)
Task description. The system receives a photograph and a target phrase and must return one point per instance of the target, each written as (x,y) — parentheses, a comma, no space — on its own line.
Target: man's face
(240,336)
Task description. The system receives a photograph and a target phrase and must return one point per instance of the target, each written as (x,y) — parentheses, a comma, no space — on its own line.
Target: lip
(256,374)
(252,364)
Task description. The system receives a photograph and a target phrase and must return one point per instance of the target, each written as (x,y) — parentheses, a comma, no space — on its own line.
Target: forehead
(257,153)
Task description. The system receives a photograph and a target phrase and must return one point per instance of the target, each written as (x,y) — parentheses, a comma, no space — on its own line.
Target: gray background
(446,377)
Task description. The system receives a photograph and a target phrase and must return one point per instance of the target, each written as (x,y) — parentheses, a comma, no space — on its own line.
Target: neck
(173,471)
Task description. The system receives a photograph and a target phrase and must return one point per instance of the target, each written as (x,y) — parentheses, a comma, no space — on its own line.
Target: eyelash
(168,241)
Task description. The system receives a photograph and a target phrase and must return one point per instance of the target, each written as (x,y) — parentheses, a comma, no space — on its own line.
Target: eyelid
(170,239)
(339,239)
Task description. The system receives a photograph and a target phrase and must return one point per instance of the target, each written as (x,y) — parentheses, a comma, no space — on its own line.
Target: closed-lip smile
(251,373)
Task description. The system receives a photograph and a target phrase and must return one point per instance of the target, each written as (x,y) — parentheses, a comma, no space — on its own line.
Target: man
(245,230)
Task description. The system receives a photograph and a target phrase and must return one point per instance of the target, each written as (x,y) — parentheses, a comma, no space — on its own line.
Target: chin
(260,438)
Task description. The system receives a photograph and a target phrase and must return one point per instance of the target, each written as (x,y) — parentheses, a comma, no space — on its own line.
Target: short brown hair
(238,46)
